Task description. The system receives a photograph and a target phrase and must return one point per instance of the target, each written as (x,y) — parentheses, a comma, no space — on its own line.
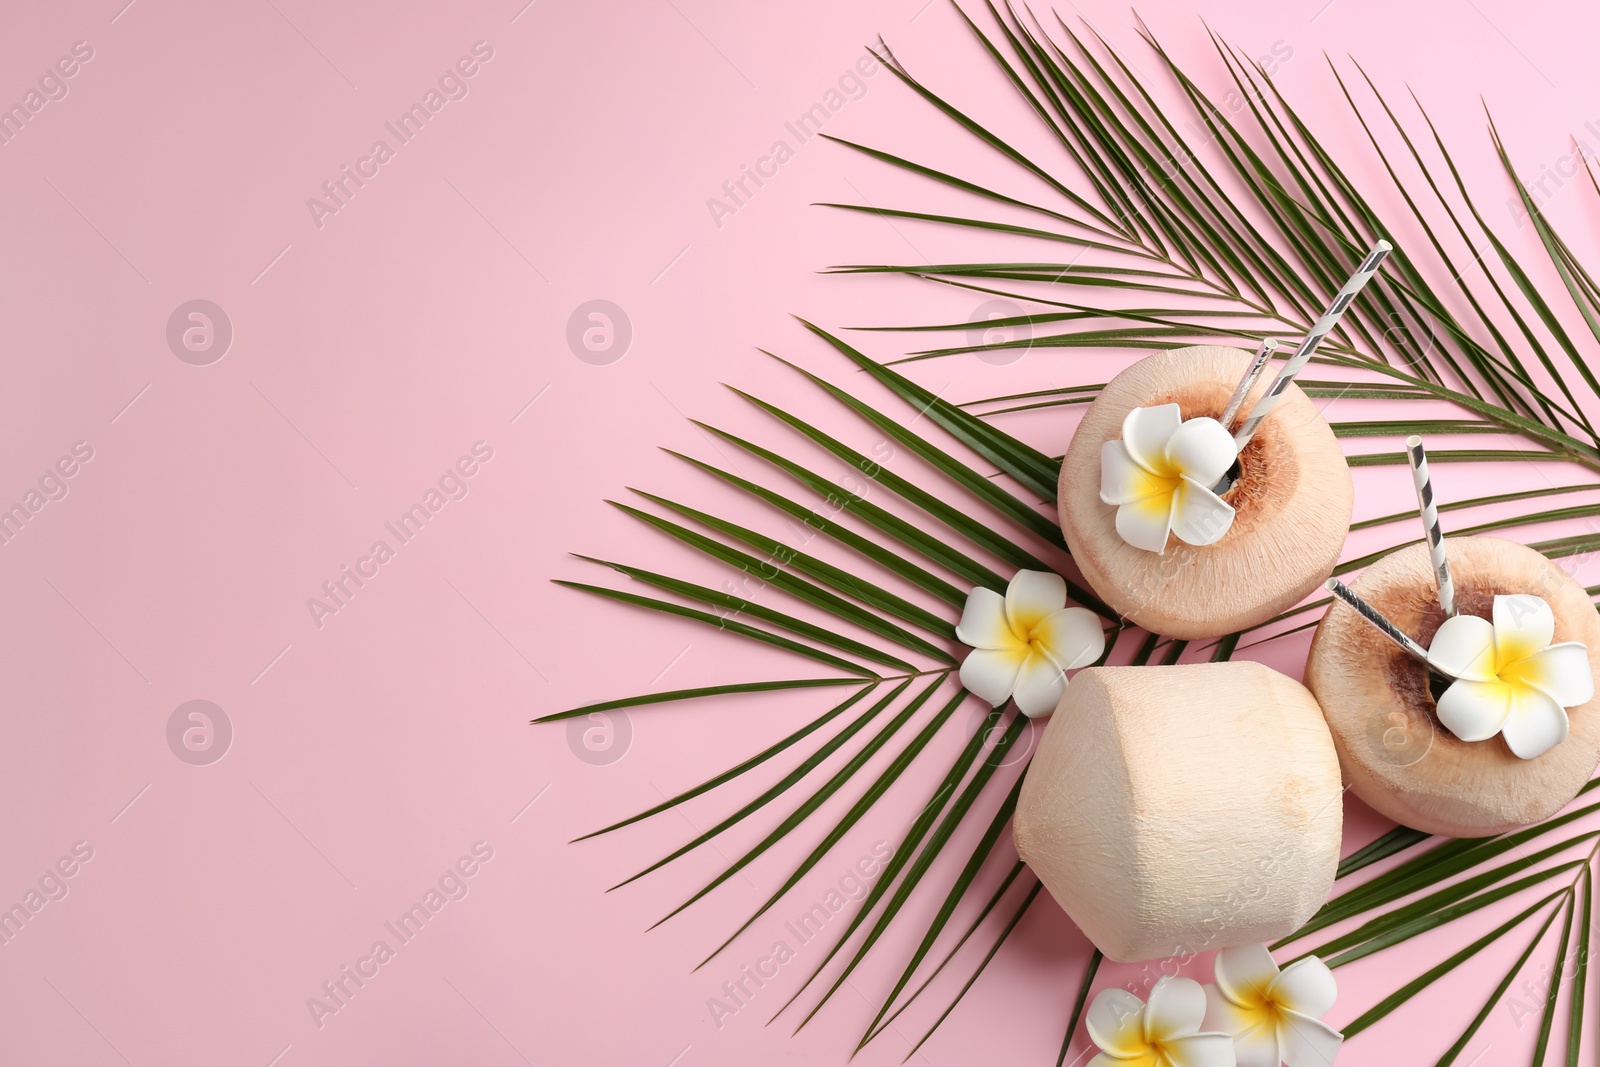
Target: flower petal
(1176,1009)
(1305,986)
(1475,711)
(1039,686)
(1245,973)
(1254,1031)
(1201,449)
(983,621)
(1146,523)
(1199,516)
(1307,1042)
(1464,648)
(992,673)
(1031,596)
(1142,1059)
(1536,723)
(1523,624)
(1116,1022)
(1562,671)
(1123,481)
(1258,1048)
(1072,636)
(1146,431)
(1201,1050)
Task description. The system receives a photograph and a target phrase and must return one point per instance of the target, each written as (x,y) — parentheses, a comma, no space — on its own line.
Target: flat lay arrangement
(692,534)
(1177,811)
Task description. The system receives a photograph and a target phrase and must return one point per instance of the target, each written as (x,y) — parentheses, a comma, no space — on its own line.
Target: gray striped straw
(1264,354)
(1430,521)
(1376,618)
(1302,355)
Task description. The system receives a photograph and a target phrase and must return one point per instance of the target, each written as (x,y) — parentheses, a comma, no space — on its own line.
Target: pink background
(369,354)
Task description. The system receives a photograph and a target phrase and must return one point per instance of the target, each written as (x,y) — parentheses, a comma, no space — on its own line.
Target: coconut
(1379,701)
(1176,809)
(1292,502)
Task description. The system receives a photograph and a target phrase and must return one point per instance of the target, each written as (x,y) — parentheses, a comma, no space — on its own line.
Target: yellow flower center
(1265,1011)
(1161,1055)
(1157,486)
(1514,666)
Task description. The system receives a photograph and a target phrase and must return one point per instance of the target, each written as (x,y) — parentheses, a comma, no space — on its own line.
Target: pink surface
(373,348)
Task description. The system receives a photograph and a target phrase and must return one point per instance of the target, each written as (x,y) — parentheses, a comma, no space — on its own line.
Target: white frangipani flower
(1163,1033)
(1023,642)
(1510,679)
(1273,1015)
(1160,474)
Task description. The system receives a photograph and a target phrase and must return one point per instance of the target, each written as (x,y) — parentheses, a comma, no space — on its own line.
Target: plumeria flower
(1160,477)
(1510,679)
(1023,642)
(1273,1015)
(1163,1033)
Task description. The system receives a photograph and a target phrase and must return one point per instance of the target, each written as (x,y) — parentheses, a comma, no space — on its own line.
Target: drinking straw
(1372,615)
(1302,355)
(1264,354)
(1418,456)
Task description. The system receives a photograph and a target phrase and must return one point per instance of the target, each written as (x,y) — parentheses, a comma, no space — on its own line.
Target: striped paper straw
(1430,521)
(1264,354)
(1302,355)
(1372,615)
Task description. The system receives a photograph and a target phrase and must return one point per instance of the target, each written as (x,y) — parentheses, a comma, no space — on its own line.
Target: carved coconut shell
(1379,703)
(1292,505)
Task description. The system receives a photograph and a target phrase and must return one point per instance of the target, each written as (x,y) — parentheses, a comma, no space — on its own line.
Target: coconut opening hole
(1250,480)
(1262,471)
(1416,688)
(1229,478)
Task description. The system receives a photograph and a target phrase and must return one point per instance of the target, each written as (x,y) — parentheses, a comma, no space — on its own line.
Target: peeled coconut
(1379,701)
(1292,504)
(1172,810)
